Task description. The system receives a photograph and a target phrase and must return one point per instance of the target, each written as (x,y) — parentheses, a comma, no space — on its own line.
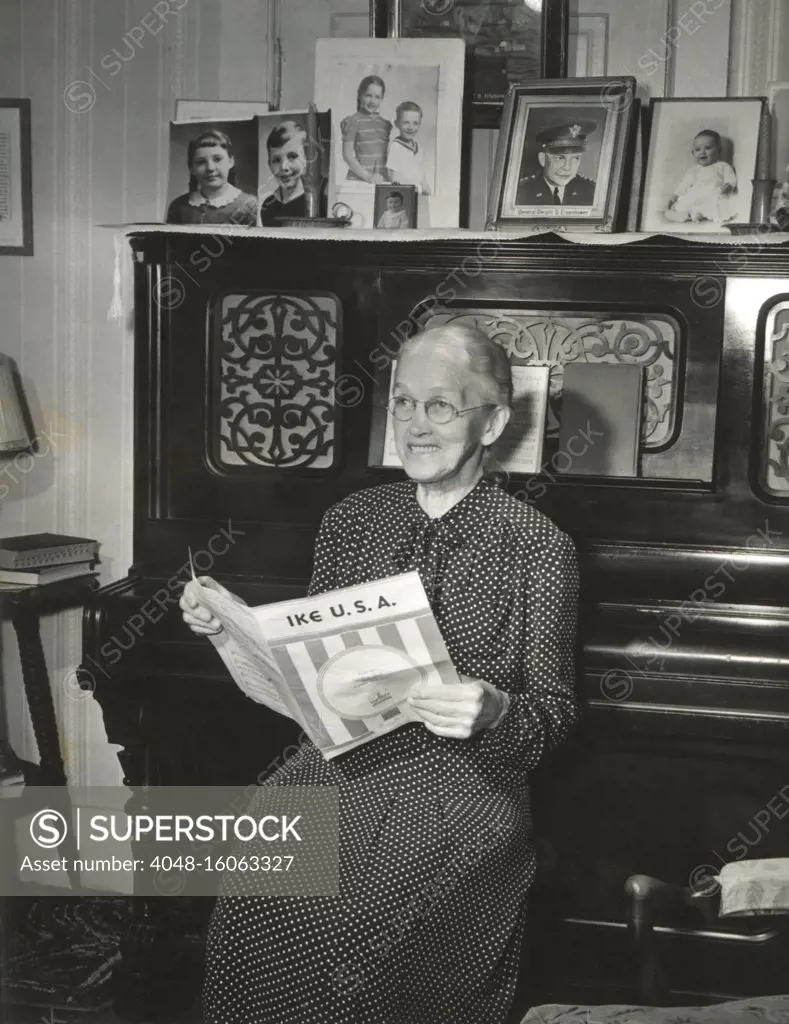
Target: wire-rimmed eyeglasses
(437,410)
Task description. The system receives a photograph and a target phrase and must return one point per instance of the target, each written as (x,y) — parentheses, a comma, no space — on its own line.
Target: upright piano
(262,368)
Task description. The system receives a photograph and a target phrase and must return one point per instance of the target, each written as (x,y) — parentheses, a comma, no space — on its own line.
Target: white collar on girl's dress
(230,193)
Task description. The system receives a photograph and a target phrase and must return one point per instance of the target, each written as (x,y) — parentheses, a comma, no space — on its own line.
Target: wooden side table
(25,606)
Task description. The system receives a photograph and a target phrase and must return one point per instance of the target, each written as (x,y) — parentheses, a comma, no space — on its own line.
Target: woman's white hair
(485,358)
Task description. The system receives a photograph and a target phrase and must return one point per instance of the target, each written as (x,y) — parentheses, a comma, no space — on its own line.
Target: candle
(764,157)
(312,176)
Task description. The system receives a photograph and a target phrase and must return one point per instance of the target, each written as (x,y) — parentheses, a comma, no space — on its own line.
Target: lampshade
(13,429)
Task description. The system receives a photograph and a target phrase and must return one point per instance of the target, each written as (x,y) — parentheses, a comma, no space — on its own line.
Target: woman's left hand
(457,710)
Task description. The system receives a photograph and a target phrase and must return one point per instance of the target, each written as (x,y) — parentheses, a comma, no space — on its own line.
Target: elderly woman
(436,854)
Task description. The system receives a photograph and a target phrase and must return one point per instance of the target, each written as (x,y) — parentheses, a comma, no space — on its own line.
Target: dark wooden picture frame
(603,114)
(488,76)
(16,223)
(681,131)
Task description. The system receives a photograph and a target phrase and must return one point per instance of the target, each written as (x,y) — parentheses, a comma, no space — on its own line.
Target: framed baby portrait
(396,115)
(564,156)
(395,206)
(701,161)
(507,41)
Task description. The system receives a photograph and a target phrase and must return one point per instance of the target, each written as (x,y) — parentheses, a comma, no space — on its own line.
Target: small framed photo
(395,206)
(564,155)
(507,41)
(396,116)
(16,187)
(701,161)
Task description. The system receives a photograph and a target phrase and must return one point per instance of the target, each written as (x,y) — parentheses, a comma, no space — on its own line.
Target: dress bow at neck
(427,548)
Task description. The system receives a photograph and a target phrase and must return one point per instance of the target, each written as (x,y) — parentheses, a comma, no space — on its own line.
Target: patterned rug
(58,956)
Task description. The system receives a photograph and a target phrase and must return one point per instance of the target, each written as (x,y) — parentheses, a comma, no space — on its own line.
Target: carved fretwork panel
(558,337)
(274,369)
(774,452)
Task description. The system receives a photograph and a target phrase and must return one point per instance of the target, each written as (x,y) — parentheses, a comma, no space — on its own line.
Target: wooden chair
(649,900)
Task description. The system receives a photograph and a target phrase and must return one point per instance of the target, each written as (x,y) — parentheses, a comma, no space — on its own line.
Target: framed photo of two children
(396,115)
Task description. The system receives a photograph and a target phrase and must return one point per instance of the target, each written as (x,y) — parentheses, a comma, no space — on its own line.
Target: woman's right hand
(197,617)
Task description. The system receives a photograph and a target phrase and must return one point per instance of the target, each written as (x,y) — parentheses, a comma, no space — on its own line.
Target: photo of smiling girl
(365,134)
(213,196)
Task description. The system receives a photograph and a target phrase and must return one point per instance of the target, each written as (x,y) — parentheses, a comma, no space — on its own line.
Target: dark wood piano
(262,371)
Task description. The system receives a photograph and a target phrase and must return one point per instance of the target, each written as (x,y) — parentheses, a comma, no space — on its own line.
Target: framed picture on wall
(507,41)
(701,161)
(16,184)
(564,155)
(587,48)
(396,116)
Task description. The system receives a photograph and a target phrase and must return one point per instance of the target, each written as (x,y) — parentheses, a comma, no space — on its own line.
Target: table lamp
(14,436)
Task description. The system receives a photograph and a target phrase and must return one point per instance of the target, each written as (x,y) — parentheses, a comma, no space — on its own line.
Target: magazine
(340,664)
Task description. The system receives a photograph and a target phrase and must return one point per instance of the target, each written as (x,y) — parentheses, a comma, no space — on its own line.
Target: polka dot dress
(436,855)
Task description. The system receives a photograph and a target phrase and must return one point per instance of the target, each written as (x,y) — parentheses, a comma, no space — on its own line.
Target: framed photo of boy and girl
(396,112)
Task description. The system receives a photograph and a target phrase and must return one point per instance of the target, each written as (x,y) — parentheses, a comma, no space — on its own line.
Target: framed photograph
(396,116)
(507,41)
(286,151)
(213,175)
(395,206)
(701,160)
(564,156)
(219,110)
(16,184)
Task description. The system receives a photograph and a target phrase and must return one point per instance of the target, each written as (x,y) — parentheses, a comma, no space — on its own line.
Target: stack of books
(45,558)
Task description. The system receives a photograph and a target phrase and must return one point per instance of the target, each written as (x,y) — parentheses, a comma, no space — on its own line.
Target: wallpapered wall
(102,77)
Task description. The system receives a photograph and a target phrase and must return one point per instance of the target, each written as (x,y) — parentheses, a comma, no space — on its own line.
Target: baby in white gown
(707,190)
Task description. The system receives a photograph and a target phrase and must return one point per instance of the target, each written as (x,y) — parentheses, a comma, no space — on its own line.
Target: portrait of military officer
(558,182)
